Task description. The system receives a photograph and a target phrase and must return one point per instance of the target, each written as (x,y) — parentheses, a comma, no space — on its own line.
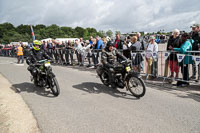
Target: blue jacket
(187,46)
(99,44)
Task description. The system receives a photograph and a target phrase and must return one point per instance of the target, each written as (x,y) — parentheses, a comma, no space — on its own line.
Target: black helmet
(109,43)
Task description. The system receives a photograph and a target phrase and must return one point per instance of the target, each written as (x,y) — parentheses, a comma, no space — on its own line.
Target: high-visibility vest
(19,51)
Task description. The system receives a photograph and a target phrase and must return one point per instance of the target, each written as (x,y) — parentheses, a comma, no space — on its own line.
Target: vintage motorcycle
(124,76)
(45,77)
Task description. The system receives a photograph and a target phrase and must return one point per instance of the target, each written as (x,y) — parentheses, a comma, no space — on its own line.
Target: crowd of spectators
(82,51)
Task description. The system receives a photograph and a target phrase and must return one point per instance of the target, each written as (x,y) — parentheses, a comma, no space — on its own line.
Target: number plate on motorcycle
(128,69)
(47,64)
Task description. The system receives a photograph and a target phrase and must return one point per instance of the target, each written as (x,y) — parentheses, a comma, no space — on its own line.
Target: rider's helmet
(110,43)
(36,42)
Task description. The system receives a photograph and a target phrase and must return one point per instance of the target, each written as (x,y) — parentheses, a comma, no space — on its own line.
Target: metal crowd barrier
(158,66)
(12,52)
(151,64)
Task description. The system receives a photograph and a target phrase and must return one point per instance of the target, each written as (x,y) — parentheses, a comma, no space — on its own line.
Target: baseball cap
(195,25)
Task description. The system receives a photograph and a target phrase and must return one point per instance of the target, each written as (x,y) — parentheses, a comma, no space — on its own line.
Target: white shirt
(79,47)
(125,47)
(151,48)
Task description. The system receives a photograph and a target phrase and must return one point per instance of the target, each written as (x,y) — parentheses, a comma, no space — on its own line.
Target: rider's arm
(46,56)
(30,59)
(121,56)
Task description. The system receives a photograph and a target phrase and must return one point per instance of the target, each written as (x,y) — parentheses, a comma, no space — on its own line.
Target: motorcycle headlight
(47,64)
(128,69)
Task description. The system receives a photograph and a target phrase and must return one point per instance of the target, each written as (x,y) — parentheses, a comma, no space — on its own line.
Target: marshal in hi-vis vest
(19,51)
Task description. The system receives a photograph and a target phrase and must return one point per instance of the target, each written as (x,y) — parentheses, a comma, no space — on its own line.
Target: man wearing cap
(195,47)
(86,52)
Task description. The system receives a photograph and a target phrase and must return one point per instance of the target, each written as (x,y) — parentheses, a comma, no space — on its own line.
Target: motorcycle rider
(109,60)
(36,54)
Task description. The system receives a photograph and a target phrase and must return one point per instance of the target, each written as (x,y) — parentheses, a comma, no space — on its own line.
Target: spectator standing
(69,52)
(152,48)
(135,48)
(97,46)
(195,47)
(118,42)
(186,46)
(126,50)
(43,45)
(61,52)
(142,48)
(50,48)
(86,52)
(175,42)
(20,54)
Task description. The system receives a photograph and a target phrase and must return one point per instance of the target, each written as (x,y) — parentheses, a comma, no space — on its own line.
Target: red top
(116,43)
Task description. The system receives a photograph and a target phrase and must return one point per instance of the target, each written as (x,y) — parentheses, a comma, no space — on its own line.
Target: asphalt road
(87,106)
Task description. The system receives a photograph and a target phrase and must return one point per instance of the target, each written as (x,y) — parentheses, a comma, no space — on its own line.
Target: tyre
(54,86)
(136,86)
(104,78)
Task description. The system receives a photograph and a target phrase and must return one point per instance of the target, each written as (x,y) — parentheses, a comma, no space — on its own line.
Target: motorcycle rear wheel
(104,78)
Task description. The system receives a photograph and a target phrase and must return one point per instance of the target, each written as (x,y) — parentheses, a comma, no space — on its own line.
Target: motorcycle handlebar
(125,61)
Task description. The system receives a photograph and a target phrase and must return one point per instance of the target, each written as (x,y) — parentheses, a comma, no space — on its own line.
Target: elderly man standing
(118,42)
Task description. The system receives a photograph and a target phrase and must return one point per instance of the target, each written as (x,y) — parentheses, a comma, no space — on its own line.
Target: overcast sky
(123,15)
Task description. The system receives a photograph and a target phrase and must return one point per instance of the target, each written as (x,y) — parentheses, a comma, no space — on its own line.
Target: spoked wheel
(104,78)
(136,86)
(54,86)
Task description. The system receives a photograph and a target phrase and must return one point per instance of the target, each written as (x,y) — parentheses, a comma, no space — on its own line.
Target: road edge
(15,115)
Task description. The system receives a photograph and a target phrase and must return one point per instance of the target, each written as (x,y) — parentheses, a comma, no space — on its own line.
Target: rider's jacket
(35,56)
(109,58)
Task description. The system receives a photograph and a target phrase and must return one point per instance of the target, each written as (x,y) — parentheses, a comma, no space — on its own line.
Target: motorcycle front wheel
(54,86)
(136,86)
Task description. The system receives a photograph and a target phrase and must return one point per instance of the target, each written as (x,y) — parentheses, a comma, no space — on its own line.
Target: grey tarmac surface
(87,106)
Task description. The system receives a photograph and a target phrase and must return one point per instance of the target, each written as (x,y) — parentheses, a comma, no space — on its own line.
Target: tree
(117,32)
(39,27)
(109,33)
(54,31)
(10,33)
(86,35)
(22,29)
(101,33)
(5,27)
(68,31)
(80,31)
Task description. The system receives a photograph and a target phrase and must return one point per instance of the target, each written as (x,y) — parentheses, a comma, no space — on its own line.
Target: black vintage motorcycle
(45,77)
(124,76)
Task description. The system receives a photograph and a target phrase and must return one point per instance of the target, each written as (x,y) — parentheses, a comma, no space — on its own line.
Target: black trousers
(95,57)
(50,52)
(185,73)
(21,57)
(69,53)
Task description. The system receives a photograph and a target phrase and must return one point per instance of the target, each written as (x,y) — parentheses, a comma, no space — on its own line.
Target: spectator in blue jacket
(97,46)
